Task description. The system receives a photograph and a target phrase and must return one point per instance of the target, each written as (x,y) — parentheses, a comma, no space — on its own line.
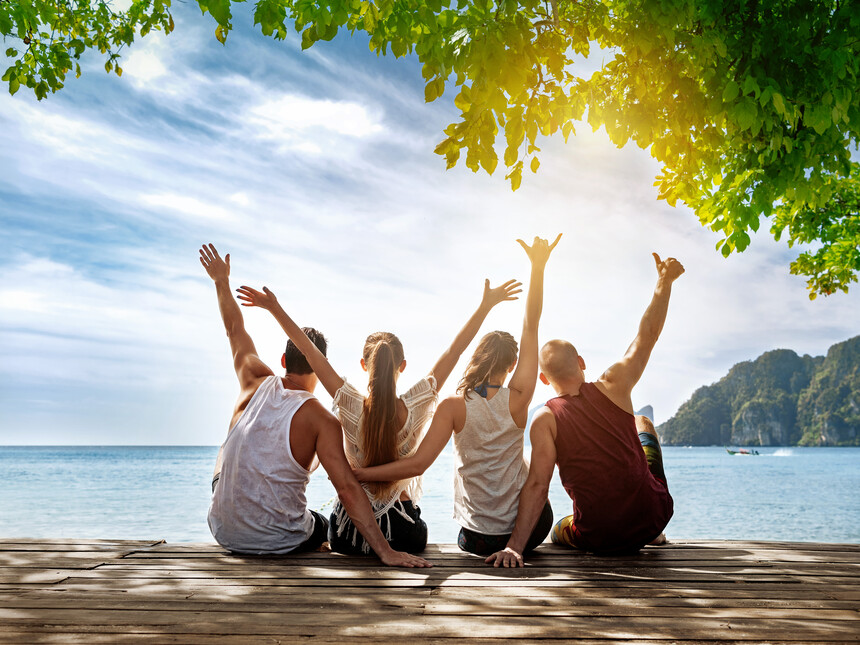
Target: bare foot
(325,547)
(660,539)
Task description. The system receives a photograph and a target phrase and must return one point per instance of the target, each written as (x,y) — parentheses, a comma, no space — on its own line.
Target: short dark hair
(294,361)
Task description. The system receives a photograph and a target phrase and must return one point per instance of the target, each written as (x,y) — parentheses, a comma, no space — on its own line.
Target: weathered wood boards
(102,591)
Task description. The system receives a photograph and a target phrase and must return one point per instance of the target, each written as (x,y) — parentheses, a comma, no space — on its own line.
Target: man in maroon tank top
(608,459)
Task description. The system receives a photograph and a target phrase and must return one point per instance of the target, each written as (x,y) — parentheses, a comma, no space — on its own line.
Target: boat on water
(743,451)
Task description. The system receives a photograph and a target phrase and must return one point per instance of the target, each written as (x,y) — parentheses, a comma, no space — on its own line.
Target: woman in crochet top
(488,422)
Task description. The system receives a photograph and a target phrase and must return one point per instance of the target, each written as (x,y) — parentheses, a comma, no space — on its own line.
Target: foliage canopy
(752,107)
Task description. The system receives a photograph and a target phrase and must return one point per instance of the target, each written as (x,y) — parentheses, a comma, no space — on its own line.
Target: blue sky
(315,171)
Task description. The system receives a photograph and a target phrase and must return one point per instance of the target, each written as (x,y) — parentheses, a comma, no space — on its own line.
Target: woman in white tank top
(488,422)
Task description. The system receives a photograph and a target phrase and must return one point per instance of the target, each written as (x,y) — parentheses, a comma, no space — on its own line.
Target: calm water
(802,494)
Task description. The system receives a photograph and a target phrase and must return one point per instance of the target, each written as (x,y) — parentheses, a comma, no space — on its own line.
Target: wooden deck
(101,591)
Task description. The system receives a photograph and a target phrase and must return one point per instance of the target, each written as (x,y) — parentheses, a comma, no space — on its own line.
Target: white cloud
(145,62)
(303,124)
(186,205)
(22,300)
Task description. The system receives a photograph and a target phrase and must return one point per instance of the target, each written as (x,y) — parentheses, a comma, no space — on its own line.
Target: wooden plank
(74,544)
(292,597)
(407,626)
(836,591)
(431,576)
(310,567)
(87,638)
(544,560)
(442,607)
(217,588)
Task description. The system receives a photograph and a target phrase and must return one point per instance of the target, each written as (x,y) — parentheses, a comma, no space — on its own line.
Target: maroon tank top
(618,505)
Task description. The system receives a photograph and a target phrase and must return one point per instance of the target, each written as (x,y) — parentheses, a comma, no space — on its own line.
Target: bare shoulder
(454,407)
(544,421)
(312,412)
(452,403)
(619,392)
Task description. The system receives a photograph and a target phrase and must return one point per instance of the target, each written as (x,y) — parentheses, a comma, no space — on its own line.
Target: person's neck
(569,387)
(298,382)
(497,379)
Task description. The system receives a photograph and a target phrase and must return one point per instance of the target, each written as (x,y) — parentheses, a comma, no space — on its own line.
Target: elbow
(348,493)
(417,469)
(537,489)
(234,328)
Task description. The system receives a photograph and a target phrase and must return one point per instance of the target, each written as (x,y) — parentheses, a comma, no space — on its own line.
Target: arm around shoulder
(352,495)
(445,422)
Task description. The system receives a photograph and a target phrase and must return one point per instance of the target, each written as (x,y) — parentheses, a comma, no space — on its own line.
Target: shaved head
(559,360)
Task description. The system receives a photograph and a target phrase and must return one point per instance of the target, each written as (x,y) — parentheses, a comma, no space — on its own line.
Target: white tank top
(259,504)
(489,467)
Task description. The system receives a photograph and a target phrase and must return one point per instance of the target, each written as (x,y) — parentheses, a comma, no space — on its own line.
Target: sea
(163,492)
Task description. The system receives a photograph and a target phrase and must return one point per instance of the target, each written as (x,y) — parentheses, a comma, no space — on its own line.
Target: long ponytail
(496,353)
(383,354)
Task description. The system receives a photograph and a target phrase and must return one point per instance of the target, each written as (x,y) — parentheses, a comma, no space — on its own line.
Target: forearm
(393,470)
(534,300)
(292,330)
(357,506)
(654,317)
(532,500)
(443,367)
(231,315)
(469,331)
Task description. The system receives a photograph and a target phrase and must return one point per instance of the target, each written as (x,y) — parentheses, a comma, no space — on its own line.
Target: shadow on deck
(102,591)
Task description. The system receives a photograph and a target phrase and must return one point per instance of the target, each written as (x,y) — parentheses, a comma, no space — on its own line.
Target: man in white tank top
(277,433)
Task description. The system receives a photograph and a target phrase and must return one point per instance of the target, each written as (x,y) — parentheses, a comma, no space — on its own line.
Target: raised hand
(264,299)
(507,291)
(505,558)
(217,268)
(540,249)
(669,269)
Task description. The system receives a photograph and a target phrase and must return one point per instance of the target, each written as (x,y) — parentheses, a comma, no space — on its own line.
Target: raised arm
(535,490)
(354,499)
(446,363)
(448,418)
(250,370)
(267,300)
(522,385)
(618,381)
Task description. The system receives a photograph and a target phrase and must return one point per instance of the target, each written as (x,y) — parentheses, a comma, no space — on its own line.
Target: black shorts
(317,536)
(407,536)
(481,544)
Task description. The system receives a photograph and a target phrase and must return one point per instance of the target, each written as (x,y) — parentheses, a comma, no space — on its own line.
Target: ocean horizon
(786,493)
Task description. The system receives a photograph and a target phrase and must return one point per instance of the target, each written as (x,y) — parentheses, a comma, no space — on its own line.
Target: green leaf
(731,91)
(13,85)
(751,86)
(818,117)
(745,114)
(778,103)
(516,177)
(431,92)
(462,101)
